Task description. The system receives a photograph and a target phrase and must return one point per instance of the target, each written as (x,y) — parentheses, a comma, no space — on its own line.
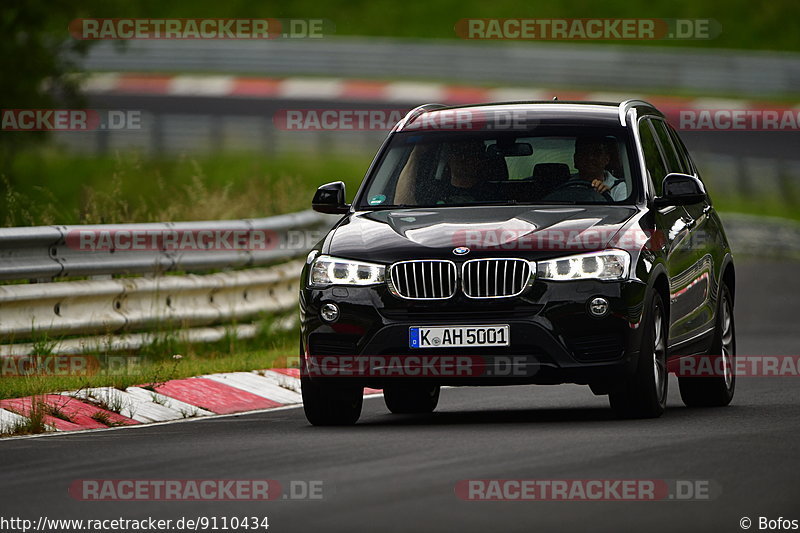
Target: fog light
(598,307)
(329,312)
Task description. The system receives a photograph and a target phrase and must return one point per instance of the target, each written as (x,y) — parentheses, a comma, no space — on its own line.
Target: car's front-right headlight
(607,265)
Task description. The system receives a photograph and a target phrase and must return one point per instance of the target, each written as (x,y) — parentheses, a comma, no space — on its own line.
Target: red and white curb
(177,399)
(9,419)
(341,89)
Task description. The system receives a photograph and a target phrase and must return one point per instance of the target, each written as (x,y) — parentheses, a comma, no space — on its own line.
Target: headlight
(605,265)
(327,270)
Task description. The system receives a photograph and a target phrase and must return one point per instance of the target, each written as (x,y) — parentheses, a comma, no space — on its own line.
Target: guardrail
(555,64)
(47,252)
(174,295)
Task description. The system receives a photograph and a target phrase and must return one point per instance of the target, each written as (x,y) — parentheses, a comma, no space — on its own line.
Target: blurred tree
(37,59)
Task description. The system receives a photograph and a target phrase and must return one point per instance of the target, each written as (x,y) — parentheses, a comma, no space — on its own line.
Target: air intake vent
(333,344)
(597,347)
(494,278)
(423,279)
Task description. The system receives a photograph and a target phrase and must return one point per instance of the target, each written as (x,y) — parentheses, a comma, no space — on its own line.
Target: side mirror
(329,198)
(680,189)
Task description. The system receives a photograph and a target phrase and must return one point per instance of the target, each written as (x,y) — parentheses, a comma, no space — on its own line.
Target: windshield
(577,165)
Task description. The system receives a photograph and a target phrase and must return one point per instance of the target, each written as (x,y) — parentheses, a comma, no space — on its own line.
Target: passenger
(469,174)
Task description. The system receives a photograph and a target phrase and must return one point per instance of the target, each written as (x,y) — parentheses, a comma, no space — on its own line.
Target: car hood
(519,231)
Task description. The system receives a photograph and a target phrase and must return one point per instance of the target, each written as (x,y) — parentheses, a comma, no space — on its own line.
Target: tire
(644,394)
(716,391)
(416,399)
(331,404)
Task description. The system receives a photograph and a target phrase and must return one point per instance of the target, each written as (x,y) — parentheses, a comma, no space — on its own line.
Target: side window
(683,154)
(673,162)
(652,155)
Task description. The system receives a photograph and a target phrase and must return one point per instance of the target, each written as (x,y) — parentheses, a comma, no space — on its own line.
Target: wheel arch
(728,276)
(660,284)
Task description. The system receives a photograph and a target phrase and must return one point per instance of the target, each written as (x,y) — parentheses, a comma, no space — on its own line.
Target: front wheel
(644,394)
(716,391)
(414,399)
(331,404)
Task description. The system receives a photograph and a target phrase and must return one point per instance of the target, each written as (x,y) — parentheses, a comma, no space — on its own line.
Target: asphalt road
(397,473)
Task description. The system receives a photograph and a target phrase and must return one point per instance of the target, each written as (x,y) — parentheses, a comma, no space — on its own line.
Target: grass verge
(45,185)
(744,24)
(164,361)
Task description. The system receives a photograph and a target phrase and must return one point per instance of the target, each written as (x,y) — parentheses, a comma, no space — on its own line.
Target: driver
(592,155)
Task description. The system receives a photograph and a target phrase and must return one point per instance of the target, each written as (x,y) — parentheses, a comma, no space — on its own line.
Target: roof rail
(626,105)
(417,111)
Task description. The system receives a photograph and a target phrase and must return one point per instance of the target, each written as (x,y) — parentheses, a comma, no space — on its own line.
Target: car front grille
(494,278)
(431,279)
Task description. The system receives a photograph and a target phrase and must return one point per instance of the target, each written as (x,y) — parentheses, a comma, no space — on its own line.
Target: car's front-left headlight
(327,270)
(607,265)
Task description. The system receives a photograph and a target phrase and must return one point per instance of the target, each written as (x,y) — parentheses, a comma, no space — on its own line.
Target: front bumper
(553,338)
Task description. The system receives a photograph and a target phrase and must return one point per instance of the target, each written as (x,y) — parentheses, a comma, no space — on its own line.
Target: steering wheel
(583,189)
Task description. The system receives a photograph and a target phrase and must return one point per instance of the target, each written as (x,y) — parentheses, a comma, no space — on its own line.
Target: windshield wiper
(472,204)
(496,202)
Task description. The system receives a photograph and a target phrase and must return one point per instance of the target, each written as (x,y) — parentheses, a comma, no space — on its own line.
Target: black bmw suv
(519,243)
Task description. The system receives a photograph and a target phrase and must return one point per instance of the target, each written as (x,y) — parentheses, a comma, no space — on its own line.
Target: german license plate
(458,336)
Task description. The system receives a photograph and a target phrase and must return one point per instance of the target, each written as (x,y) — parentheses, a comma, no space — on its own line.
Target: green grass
(153,365)
(48,186)
(769,208)
(745,24)
(785,205)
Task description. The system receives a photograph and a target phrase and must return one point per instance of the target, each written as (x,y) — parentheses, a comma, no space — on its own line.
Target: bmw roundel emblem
(461,250)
